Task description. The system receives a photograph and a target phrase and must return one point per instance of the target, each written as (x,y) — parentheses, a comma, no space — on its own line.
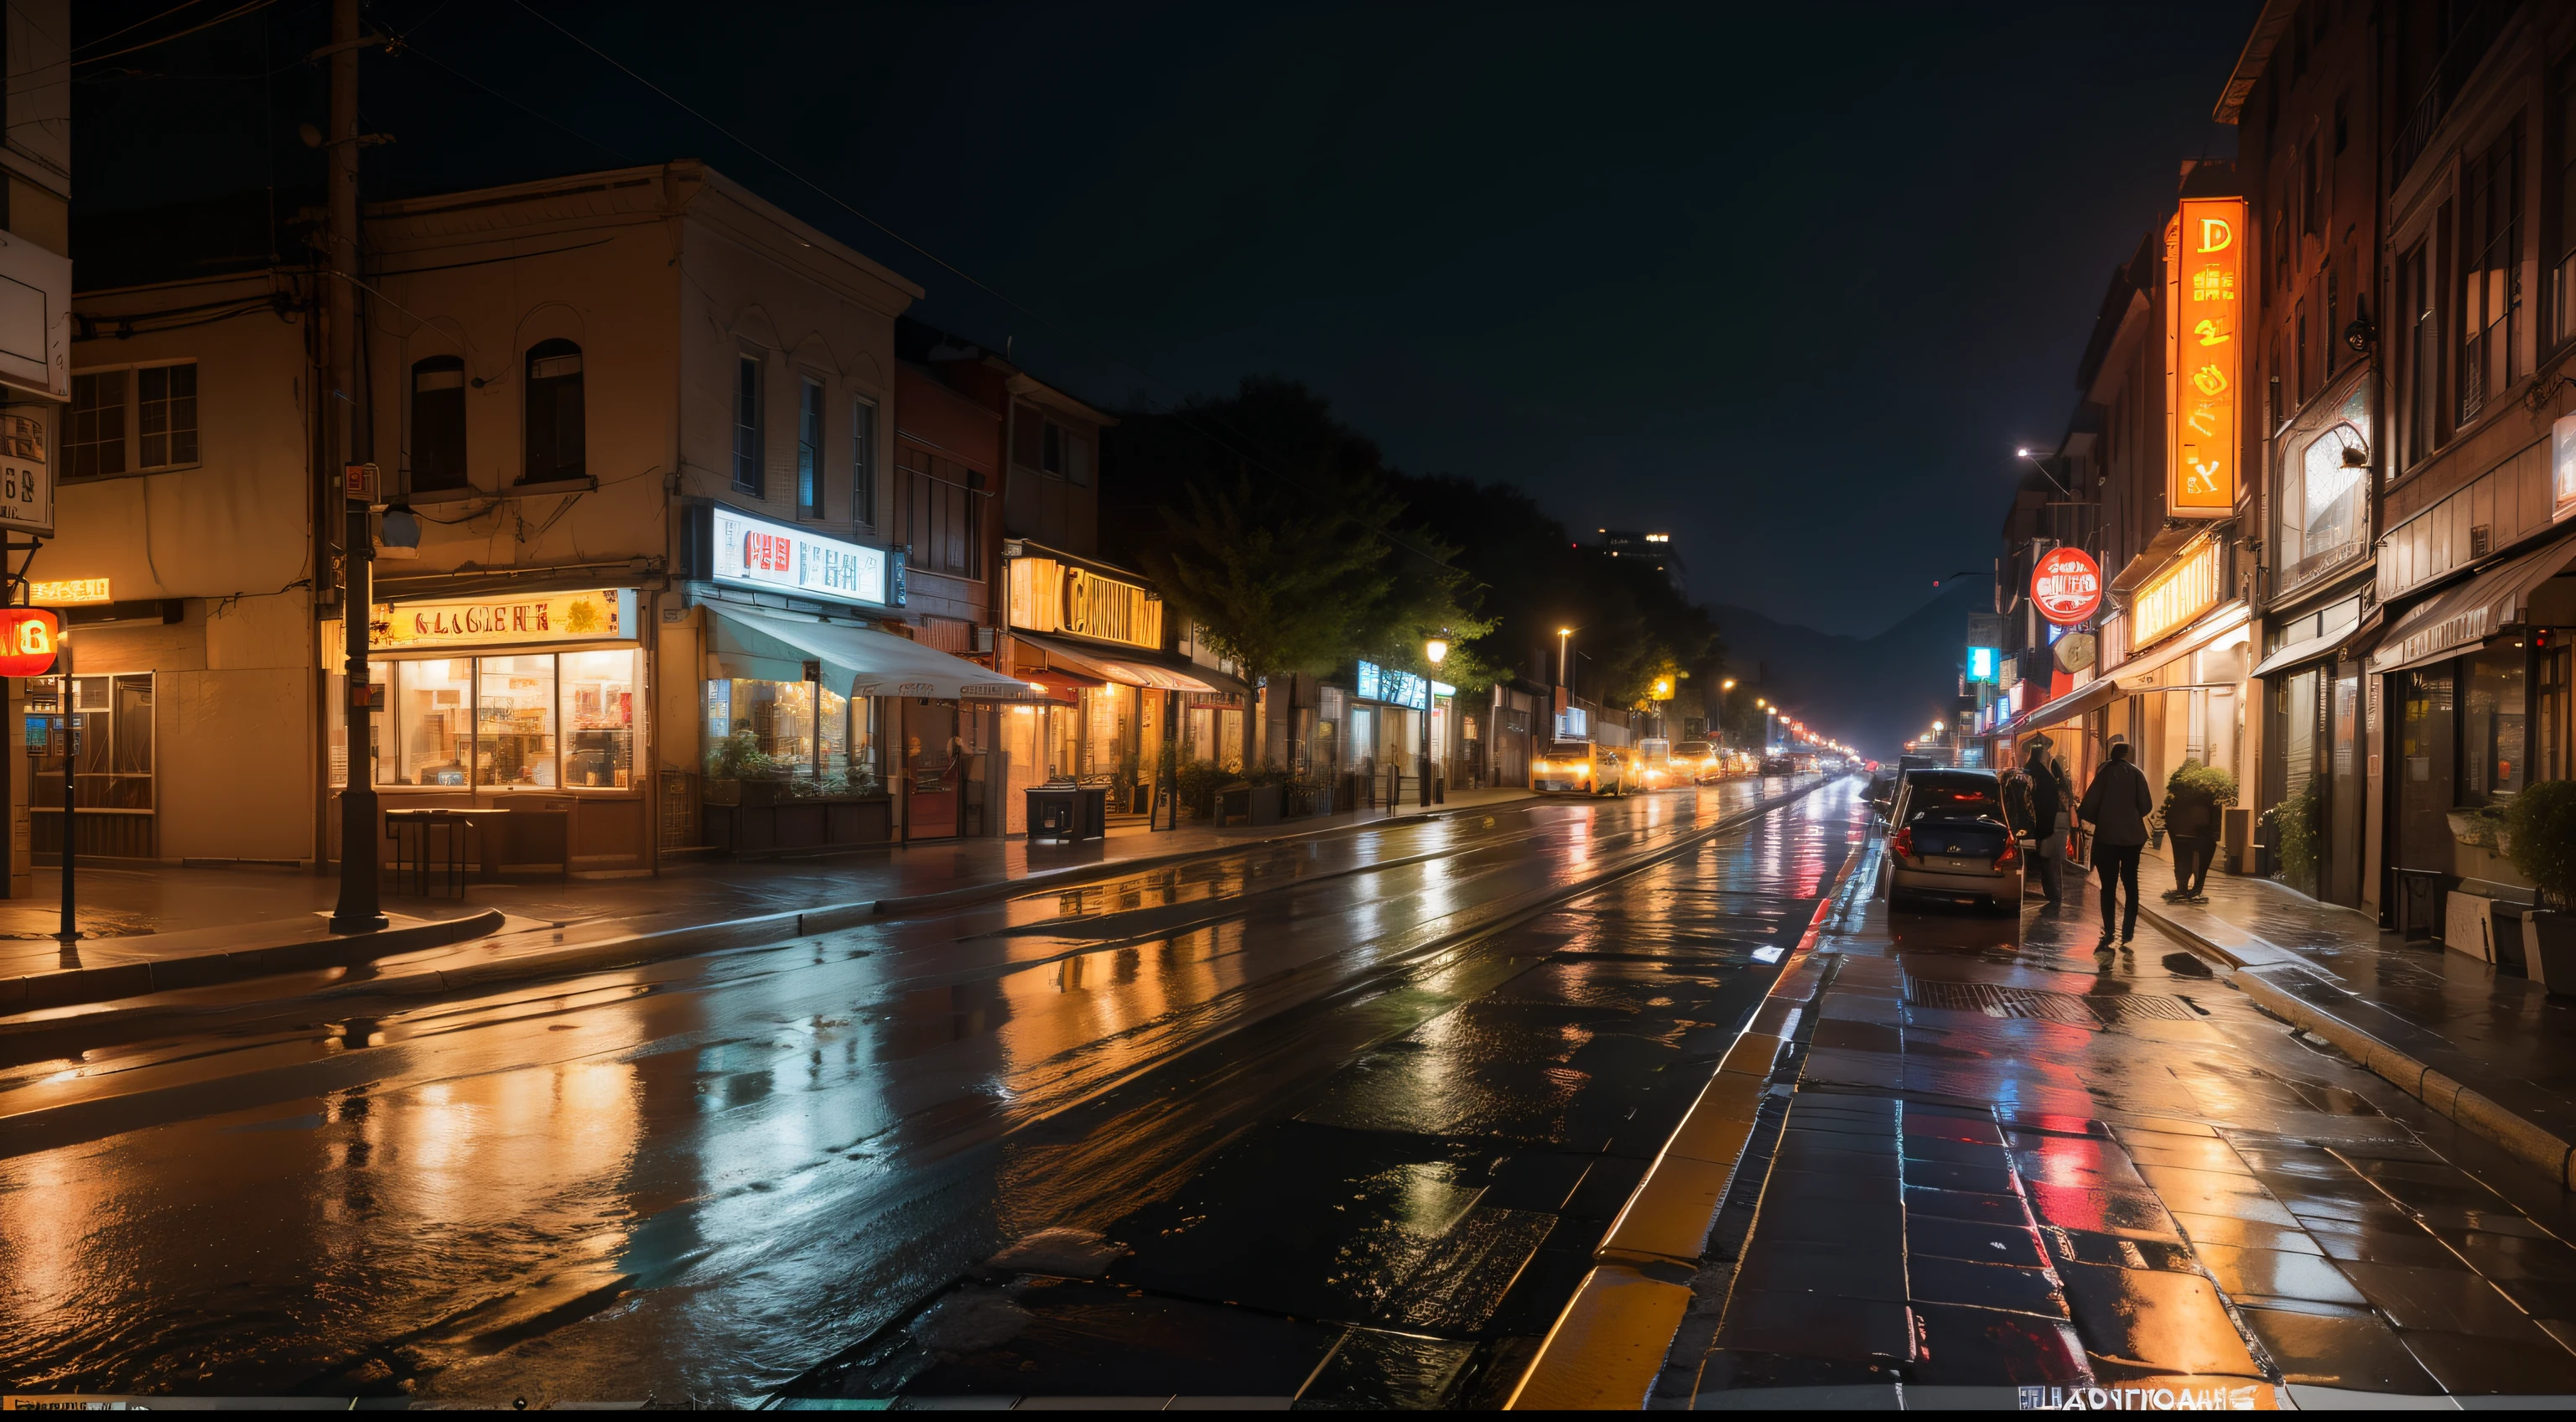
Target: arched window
(554,412)
(438,423)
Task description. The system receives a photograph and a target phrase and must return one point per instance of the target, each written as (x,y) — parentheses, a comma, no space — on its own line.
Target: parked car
(1885,784)
(1653,763)
(1699,762)
(1779,765)
(1953,840)
(1585,766)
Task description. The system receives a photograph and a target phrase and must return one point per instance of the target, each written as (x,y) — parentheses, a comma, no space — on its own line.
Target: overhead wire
(235,13)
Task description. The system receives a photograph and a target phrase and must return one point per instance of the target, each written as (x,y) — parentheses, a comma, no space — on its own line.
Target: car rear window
(1691,748)
(1570,750)
(1953,797)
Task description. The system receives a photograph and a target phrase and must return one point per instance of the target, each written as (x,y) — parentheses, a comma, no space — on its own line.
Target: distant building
(1653,549)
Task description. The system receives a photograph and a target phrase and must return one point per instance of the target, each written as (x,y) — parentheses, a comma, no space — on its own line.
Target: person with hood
(2048,796)
(2117,804)
(2191,817)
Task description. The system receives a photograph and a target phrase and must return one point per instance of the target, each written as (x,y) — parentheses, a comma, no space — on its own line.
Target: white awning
(766,646)
(1137,667)
(2468,613)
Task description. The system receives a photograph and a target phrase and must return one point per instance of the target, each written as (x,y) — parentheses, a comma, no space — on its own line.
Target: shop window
(2490,275)
(771,730)
(747,474)
(809,450)
(555,439)
(514,721)
(492,722)
(112,718)
(434,703)
(863,462)
(2493,748)
(438,424)
(599,715)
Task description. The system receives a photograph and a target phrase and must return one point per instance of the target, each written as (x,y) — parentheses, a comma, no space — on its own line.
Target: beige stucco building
(635,442)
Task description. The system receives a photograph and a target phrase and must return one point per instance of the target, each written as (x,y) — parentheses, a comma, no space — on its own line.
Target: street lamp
(1433,651)
(1562,634)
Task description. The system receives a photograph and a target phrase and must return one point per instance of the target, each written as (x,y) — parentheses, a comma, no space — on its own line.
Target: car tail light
(2011,853)
(1902,844)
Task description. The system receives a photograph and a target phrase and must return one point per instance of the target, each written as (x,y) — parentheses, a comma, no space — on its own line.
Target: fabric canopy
(1129,667)
(762,646)
(2467,614)
(2099,692)
(2308,650)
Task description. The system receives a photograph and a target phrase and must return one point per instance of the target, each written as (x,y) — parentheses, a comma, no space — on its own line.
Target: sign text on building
(1050,596)
(65,591)
(2066,586)
(2204,355)
(755,553)
(2186,588)
(26,477)
(604,615)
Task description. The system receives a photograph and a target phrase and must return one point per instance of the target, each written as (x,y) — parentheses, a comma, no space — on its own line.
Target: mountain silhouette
(1872,692)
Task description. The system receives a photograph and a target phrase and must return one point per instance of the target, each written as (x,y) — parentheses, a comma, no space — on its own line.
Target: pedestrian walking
(2117,804)
(2191,819)
(2048,797)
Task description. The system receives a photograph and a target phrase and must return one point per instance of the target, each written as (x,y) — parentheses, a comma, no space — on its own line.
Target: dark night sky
(1790,283)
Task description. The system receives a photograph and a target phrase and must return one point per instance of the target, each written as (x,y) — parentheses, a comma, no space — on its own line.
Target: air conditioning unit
(984,639)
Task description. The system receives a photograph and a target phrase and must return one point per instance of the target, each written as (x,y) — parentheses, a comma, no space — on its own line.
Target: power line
(129,29)
(232,14)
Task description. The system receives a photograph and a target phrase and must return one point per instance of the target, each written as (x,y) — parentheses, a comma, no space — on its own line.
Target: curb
(1608,1344)
(20,1041)
(39,991)
(2531,1143)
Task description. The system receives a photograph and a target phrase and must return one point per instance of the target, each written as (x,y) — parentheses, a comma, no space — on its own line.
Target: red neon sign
(2067,586)
(28,641)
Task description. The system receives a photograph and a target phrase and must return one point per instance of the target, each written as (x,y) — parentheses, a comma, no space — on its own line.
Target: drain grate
(2074,1010)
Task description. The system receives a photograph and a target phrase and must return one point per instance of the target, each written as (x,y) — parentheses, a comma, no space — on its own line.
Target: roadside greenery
(2294,838)
(2541,824)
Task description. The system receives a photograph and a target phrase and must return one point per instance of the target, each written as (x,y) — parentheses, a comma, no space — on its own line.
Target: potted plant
(2540,831)
(2294,838)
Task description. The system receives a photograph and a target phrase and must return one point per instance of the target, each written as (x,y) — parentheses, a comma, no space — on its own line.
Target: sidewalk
(2490,1050)
(151,928)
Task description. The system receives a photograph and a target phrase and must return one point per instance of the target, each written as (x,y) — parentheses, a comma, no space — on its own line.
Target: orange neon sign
(2204,356)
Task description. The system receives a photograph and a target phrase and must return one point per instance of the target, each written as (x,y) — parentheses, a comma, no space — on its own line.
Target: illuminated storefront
(1118,705)
(536,700)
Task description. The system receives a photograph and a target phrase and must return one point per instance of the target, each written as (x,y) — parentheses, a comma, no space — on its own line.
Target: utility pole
(358,910)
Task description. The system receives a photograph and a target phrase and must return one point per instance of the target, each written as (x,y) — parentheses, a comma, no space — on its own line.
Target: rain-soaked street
(1281,1125)
(701,1180)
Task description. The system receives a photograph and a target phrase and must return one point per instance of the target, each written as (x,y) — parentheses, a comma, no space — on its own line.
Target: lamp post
(69,933)
(1723,687)
(1434,651)
(1563,635)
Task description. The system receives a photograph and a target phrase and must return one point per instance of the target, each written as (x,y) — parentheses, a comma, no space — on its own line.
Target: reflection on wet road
(2002,1158)
(698,1180)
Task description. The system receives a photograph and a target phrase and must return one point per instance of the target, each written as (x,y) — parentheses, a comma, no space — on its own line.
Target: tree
(1281,575)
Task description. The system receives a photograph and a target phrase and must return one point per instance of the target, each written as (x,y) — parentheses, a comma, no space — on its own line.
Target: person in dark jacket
(2048,797)
(2117,804)
(2191,817)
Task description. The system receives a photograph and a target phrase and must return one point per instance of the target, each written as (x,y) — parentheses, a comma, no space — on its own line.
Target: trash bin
(1055,813)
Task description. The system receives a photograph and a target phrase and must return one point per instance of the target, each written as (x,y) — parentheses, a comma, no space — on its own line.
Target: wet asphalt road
(708,1179)
(1260,1127)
